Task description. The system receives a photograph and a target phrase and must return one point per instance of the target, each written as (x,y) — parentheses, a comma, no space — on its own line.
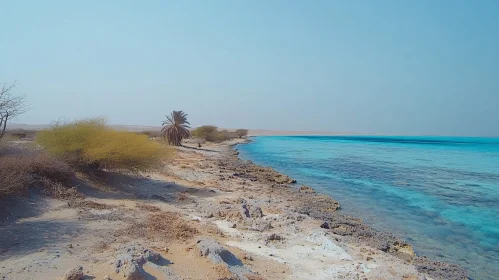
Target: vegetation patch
(91,143)
(148,207)
(211,133)
(23,168)
(161,226)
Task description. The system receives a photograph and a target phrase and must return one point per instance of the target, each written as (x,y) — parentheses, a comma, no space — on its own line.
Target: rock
(306,189)
(274,237)
(75,273)
(133,271)
(440,270)
(247,256)
(255,211)
(402,250)
(260,225)
(152,256)
(244,211)
(106,277)
(223,258)
(216,253)
(325,225)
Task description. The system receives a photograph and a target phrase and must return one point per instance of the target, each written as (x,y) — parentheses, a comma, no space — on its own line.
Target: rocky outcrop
(222,257)
(311,203)
(132,271)
(440,270)
(235,211)
(130,258)
(253,172)
(306,189)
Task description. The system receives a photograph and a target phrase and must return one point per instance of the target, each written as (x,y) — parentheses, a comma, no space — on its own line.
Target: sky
(426,67)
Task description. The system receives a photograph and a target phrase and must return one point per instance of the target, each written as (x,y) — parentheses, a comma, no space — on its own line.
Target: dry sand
(205,215)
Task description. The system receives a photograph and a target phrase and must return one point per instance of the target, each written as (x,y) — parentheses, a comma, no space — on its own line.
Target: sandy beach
(204,215)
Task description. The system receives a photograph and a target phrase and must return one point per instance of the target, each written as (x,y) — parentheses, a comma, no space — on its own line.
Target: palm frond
(175,128)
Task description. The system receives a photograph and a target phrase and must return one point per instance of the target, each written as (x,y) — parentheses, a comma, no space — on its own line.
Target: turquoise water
(440,193)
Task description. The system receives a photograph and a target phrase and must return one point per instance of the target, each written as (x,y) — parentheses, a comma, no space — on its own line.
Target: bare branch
(11,105)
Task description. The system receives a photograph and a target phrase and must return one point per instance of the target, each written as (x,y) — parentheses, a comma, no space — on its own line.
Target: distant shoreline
(251,132)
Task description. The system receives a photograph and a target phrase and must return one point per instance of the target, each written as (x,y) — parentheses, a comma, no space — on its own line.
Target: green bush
(207,132)
(90,143)
(212,134)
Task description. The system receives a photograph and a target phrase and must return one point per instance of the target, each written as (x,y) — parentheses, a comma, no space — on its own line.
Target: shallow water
(440,193)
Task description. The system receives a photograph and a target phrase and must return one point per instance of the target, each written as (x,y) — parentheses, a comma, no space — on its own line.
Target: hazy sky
(393,67)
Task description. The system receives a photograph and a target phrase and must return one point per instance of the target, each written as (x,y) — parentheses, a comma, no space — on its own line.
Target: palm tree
(175,128)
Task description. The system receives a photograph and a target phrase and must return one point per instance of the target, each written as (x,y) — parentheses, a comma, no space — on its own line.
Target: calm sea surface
(440,193)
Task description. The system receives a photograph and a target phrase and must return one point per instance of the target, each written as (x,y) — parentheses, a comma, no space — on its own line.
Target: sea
(441,194)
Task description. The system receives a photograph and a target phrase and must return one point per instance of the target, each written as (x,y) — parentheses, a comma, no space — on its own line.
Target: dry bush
(90,143)
(241,132)
(21,169)
(59,191)
(161,226)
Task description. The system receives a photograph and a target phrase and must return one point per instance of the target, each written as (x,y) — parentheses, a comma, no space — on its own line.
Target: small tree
(207,132)
(175,128)
(11,105)
(241,132)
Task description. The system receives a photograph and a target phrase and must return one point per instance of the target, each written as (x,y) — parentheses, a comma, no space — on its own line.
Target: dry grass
(90,143)
(89,204)
(59,191)
(101,246)
(23,168)
(213,229)
(148,207)
(161,226)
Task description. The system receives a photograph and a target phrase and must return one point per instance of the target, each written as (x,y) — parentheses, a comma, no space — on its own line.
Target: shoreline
(198,208)
(355,230)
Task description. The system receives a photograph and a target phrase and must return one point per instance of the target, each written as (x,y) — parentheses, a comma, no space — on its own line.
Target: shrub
(212,134)
(90,143)
(241,132)
(21,168)
(206,132)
